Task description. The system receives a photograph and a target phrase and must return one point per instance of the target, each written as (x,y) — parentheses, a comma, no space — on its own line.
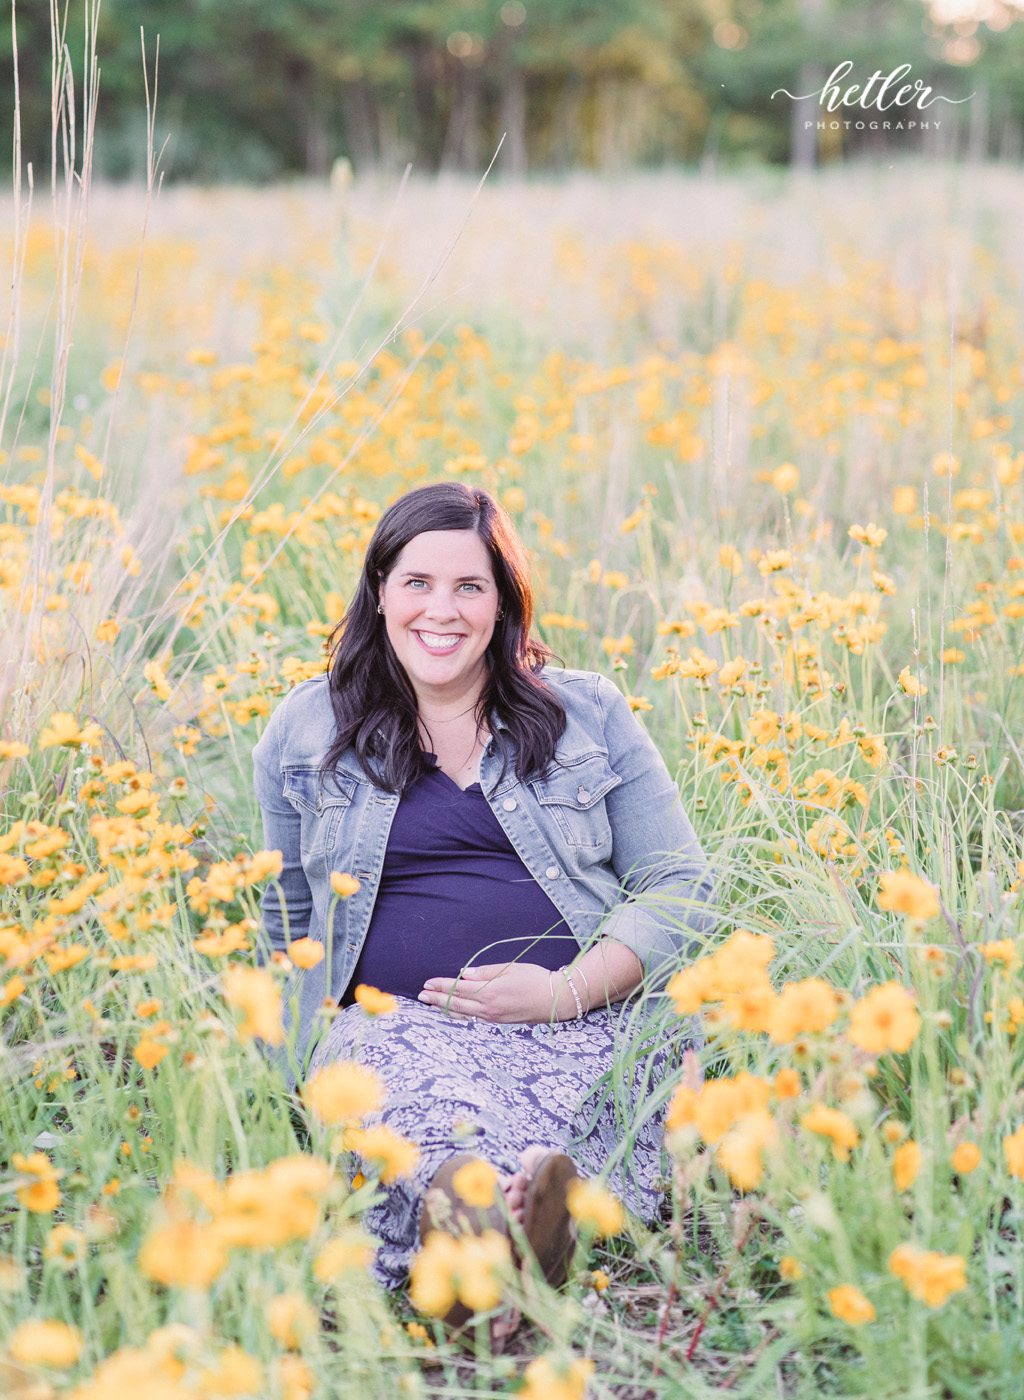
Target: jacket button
(583,795)
(510,804)
(552,872)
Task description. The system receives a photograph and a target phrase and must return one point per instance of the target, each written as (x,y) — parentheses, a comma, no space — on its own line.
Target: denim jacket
(604,833)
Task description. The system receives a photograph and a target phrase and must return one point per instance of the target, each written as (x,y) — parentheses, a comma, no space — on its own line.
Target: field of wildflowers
(761,440)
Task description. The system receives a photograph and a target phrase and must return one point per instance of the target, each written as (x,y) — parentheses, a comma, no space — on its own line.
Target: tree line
(258,89)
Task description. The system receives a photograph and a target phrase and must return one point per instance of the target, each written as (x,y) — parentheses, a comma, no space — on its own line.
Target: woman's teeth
(439,643)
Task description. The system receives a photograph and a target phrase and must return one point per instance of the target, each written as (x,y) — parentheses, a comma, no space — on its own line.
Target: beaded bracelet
(575,993)
(554,997)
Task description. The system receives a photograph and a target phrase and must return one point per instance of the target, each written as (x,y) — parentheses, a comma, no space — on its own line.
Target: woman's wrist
(563,1003)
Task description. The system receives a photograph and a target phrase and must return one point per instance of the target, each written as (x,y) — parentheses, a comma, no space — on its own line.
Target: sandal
(444,1209)
(547,1224)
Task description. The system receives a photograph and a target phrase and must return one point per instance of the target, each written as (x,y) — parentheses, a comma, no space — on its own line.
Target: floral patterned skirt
(587,1087)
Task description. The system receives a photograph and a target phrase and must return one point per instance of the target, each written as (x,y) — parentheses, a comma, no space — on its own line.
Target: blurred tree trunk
(461,149)
(977,132)
(1010,142)
(318,137)
(512,121)
(803,139)
(566,124)
(357,111)
(427,75)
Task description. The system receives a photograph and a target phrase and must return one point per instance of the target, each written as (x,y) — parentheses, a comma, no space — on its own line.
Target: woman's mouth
(440,643)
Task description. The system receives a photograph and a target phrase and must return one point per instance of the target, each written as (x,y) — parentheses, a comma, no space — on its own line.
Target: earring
(380,608)
(499,614)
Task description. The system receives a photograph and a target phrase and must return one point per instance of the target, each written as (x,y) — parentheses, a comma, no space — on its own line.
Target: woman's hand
(511,992)
(519,992)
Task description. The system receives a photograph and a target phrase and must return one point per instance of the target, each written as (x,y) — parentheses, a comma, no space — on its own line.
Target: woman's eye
(414,581)
(475,586)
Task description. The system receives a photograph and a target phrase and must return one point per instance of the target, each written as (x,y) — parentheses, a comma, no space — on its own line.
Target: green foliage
(252,89)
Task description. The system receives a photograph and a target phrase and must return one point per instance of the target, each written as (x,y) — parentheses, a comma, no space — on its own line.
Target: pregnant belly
(410,941)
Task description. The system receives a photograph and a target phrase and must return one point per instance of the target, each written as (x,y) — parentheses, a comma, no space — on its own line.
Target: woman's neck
(451,707)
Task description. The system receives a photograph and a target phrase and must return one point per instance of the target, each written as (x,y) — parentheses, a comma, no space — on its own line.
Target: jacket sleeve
(288,918)
(655,852)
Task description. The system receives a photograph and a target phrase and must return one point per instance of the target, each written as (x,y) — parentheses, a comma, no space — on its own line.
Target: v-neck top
(453,892)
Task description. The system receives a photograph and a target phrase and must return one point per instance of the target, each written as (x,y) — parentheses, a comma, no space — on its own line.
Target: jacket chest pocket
(320,808)
(573,796)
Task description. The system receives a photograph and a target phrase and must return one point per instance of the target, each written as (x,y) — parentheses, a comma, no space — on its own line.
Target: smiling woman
(524,864)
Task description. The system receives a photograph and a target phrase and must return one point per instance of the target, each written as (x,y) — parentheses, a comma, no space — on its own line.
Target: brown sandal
(547,1224)
(444,1209)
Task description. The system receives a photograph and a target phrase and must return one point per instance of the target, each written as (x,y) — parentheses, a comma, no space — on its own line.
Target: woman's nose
(443,604)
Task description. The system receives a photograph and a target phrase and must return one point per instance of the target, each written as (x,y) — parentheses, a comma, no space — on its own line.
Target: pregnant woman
(525,868)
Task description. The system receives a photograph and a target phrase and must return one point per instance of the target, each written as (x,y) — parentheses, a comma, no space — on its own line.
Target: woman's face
(440,602)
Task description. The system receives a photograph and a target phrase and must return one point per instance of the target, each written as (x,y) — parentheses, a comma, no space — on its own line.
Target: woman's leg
(500,1091)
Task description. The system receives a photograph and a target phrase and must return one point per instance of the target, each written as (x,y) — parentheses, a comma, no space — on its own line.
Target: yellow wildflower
(65,1246)
(476,1182)
(375,1002)
(850,1306)
(348,1252)
(784,478)
(306,952)
(395,1156)
(253,991)
(595,1208)
(343,1092)
(871,535)
(44,1342)
(909,684)
(343,885)
(741,1150)
(906,1163)
(262,1209)
(1013,1151)
(802,1008)
(554,1378)
(63,730)
(885,1019)
(291,1319)
(42,1197)
(471,1269)
(905,893)
(966,1158)
(834,1124)
(928,1275)
(183,1255)
(236,1373)
(787,1084)
(154,673)
(149,1052)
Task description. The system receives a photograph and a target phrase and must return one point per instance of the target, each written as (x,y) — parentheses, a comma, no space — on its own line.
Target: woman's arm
(527,993)
(667,911)
(287,904)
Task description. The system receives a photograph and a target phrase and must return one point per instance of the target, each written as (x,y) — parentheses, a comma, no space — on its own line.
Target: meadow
(760,437)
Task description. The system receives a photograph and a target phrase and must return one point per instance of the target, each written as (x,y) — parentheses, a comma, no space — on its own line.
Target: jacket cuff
(664,938)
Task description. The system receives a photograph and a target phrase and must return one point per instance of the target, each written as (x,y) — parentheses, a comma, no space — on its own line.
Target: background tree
(254,89)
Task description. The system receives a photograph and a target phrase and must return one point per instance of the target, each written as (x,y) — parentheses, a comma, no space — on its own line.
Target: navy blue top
(453,892)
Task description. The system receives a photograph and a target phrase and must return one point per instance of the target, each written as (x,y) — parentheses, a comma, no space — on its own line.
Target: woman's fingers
(455,1006)
(447,985)
(486,971)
